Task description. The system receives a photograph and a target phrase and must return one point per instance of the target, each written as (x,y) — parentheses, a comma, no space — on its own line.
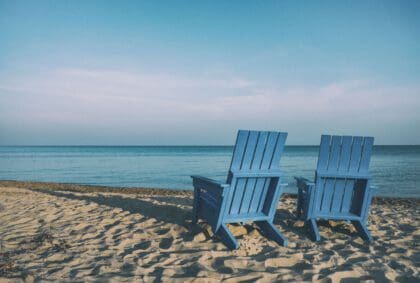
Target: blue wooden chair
(252,189)
(341,190)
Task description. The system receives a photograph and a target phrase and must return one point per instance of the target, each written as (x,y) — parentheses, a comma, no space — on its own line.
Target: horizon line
(167,145)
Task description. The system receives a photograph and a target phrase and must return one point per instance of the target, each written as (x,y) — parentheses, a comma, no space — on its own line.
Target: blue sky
(193,72)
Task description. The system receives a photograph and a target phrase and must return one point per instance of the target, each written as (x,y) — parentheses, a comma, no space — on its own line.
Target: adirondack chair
(252,189)
(341,190)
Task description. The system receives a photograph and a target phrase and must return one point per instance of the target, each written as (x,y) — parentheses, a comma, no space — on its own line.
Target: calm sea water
(395,169)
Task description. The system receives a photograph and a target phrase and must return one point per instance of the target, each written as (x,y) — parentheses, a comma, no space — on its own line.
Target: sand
(54,232)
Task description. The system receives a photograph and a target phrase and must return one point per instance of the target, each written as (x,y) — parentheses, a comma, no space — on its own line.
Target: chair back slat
(366,153)
(345,154)
(356,154)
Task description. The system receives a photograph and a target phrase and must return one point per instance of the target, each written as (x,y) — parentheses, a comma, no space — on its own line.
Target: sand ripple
(99,236)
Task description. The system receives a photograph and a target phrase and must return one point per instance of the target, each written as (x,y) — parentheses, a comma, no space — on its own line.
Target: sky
(194,72)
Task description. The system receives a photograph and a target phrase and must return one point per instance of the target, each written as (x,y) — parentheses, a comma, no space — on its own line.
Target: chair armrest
(257,174)
(207,181)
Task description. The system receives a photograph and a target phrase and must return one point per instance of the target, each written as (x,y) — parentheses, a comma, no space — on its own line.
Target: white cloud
(124,99)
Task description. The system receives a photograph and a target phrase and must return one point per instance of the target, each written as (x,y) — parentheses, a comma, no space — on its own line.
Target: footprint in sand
(143,245)
(166,243)
(162,231)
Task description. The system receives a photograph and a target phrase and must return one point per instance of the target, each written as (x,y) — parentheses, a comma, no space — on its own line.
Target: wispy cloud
(143,100)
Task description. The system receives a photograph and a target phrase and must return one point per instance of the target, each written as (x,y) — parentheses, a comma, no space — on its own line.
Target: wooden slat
(334,154)
(268,198)
(324,152)
(238,153)
(356,151)
(258,191)
(248,194)
(269,150)
(366,153)
(347,195)
(352,175)
(338,195)
(344,162)
(319,193)
(278,152)
(237,196)
(263,195)
(327,196)
(249,150)
(257,173)
(259,151)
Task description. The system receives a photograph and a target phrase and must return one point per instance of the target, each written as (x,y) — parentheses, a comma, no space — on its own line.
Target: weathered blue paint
(341,190)
(252,189)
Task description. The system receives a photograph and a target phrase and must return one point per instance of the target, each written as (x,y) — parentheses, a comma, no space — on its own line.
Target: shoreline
(69,232)
(86,188)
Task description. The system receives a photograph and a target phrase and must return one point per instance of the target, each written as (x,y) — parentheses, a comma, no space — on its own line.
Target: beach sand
(57,232)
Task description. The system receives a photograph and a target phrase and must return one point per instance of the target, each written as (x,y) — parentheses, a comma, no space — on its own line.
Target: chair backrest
(255,153)
(342,173)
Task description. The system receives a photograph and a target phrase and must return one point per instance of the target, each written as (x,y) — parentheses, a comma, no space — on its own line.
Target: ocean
(394,169)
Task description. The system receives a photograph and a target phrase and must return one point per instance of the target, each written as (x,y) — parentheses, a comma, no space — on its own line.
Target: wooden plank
(258,192)
(259,151)
(278,152)
(278,189)
(237,196)
(356,152)
(344,162)
(263,195)
(334,157)
(327,196)
(366,153)
(347,196)
(249,150)
(269,150)
(238,152)
(248,194)
(352,175)
(271,190)
(319,194)
(338,195)
(324,153)
(257,173)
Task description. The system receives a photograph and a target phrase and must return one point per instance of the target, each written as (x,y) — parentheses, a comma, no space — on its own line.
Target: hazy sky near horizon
(193,72)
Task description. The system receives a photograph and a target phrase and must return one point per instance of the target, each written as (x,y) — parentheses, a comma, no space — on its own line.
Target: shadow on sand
(167,212)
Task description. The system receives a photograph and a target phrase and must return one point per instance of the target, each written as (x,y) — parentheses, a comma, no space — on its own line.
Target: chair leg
(195,206)
(194,217)
(227,237)
(313,227)
(299,204)
(272,232)
(362,230)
